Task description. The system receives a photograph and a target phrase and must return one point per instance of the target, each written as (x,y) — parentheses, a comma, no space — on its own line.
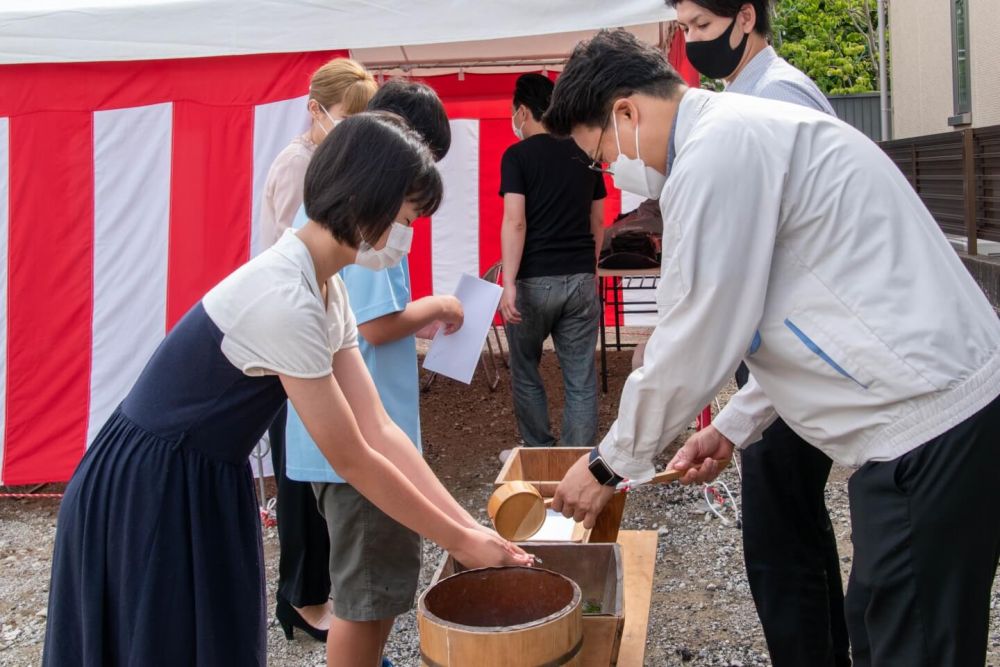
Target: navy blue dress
(158,557)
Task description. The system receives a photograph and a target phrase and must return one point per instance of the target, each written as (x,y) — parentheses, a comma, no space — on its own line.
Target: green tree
(835,42)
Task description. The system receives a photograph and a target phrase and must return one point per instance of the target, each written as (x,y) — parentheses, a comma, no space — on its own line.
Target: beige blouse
(283,189)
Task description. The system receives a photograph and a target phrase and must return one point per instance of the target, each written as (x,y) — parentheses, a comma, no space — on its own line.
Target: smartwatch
(601,471)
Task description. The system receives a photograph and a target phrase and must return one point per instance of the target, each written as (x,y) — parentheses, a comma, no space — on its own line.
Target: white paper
(457,355)
(556,528)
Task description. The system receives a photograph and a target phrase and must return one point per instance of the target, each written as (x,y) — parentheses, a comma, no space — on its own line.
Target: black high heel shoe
(290,618)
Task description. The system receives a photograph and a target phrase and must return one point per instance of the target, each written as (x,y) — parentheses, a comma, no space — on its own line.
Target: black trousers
(303,543)
(790,549)
(926,542)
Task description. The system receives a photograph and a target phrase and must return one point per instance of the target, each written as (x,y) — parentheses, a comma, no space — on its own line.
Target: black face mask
(715,58)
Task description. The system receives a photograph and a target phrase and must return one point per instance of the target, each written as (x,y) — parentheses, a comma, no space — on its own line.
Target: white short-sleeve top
(272,316)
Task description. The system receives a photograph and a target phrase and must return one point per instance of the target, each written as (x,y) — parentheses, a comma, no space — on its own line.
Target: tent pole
(464,64)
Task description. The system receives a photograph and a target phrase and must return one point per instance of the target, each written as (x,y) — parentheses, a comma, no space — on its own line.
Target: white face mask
(397,246)
(632,174)
(518,131)
(333,121)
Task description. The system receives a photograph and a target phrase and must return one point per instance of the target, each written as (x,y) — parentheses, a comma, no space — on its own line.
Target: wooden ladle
(517,509)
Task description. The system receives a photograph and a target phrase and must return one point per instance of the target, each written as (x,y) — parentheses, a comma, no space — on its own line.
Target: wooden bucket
(501,616)
(598,569)
(517,510)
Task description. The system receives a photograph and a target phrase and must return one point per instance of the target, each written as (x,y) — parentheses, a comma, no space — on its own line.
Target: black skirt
(158,556)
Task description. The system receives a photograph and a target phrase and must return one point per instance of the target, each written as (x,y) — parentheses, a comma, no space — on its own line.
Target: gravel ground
(702,613)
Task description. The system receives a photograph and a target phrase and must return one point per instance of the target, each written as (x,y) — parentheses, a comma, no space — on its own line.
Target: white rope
(719,487)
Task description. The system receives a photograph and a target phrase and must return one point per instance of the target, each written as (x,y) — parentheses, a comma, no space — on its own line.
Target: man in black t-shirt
(551,234)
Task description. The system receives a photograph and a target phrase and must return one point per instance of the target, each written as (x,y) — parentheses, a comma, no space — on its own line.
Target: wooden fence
(957,175)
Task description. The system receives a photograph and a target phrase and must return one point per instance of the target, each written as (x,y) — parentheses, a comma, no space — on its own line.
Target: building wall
(920,69)
(984,43)
(921,66)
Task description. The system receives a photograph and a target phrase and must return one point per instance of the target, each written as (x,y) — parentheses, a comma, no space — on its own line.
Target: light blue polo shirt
(393,366)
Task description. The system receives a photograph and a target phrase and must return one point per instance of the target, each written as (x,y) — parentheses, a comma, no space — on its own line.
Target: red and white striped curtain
(128,189)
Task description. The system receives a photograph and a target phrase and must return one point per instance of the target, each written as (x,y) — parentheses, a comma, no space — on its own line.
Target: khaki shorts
(374,561)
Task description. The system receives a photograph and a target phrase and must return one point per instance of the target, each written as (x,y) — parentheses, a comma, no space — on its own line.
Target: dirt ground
(702,613)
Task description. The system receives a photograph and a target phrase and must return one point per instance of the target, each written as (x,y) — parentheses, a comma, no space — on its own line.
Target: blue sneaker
(386,662)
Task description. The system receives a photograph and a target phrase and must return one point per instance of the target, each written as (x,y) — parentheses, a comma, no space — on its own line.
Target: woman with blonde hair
(338,89)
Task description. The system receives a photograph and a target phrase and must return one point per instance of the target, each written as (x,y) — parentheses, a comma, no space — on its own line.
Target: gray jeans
(568,309)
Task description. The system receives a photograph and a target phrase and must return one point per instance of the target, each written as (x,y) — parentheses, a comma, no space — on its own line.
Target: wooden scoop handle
(671,475)
(665,477)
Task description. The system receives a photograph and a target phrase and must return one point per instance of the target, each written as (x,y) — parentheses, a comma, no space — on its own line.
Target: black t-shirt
(558,191)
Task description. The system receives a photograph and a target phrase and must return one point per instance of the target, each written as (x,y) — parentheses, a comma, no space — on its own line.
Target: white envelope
(456,356)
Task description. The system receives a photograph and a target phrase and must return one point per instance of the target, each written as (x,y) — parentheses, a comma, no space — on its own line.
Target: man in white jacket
(793,243)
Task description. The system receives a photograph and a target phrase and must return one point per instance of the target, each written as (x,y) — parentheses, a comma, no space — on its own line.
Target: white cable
(717,485)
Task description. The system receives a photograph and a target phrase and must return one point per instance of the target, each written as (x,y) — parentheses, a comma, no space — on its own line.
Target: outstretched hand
(481,547)
(579,495)
(703,456)
(452,315)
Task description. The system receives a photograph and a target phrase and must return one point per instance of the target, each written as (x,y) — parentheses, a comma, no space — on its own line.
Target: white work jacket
(791,241)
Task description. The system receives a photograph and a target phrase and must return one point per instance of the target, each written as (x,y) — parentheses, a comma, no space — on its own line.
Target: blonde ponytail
(342,81)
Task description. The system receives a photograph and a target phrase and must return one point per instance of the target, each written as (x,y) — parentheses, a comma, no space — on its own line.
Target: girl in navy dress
(158,557)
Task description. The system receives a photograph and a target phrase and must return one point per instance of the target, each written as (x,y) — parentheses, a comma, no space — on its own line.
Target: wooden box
(544,467)
(598,570)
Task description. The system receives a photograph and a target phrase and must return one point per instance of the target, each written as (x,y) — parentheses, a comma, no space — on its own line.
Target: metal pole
(259,453)
(883,71)
(464,63)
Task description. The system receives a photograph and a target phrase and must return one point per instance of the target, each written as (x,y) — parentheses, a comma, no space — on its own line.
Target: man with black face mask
(789,546)
(730,40)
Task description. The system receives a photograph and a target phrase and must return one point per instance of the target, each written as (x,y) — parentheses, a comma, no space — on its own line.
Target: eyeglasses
(595,165)
(598,167)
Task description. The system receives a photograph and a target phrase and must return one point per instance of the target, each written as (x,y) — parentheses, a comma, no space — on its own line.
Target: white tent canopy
(432,31)
(490,55)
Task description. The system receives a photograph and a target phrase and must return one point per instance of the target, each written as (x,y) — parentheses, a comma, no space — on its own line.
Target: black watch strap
(601,471)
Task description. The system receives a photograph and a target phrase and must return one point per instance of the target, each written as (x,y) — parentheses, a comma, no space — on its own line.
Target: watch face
(600,471)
